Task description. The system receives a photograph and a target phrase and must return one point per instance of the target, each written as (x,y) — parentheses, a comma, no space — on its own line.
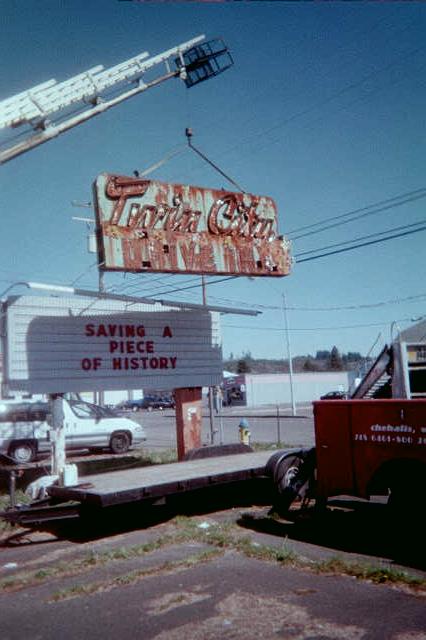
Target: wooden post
(188,419)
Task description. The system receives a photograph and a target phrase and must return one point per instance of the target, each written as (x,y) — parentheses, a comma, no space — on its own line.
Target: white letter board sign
(56,345)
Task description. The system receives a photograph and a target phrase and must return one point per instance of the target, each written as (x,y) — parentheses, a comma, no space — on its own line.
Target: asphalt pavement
(228,574)
(269,424)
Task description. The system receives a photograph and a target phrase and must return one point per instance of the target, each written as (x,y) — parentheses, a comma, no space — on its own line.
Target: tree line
(324,360)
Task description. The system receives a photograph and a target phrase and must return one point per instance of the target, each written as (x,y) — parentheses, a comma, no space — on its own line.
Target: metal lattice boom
(89,93)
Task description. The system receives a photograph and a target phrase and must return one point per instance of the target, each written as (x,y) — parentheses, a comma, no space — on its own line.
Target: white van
(25,432)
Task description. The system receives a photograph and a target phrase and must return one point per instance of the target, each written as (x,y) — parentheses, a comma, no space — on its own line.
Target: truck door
(335,475)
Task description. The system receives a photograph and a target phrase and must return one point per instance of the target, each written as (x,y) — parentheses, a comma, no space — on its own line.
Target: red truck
(362,448)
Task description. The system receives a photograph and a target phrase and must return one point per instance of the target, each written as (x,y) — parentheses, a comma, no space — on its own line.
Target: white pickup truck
(25,431)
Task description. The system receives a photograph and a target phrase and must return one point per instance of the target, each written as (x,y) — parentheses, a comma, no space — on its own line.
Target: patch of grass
(378,575)
(159,457)
(62,569)
(133,576)
(20,498)
(282,554)
(42,574)
(218,536)
(87,562)
(227,535)
(268,446)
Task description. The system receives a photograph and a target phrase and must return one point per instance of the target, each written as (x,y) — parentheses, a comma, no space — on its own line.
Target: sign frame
(59,345)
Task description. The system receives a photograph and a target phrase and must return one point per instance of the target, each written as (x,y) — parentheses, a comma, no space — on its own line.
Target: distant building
(409,363)
(399,371)
(254,390)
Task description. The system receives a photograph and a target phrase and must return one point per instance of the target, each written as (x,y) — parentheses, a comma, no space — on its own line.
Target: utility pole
(290,360)
(210,392)
(99,396)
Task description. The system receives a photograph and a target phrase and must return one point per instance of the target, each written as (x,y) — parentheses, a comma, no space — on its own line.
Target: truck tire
(286,472)
(291,474)
(119,442)
(22,452)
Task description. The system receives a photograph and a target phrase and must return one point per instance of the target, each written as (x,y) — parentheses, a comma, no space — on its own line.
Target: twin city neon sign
(146,225)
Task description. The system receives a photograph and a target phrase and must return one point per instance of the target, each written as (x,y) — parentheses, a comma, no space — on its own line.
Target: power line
(292,329)
(137,287)
(324,102)
(337,54)
(335,308)
(351,217)
(371,235)
(336,109)
(358,246)
(341,216)
(195,286)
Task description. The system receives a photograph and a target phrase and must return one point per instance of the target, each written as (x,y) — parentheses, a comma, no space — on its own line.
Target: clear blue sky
(324,111)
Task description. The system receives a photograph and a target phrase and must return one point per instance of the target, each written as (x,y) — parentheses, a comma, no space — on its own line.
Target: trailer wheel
(286,472)
(120,442)
(22,452)
(286,475)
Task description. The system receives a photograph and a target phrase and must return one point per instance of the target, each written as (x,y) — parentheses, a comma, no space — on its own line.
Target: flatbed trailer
(134,485)
(143,485)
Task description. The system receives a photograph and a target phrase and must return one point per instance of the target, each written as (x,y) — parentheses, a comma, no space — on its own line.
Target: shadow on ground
(345,527)
(350,527)
(93,522)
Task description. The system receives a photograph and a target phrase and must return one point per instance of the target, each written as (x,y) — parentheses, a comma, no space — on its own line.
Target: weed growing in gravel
(133,576)
(379,575)
(218,537)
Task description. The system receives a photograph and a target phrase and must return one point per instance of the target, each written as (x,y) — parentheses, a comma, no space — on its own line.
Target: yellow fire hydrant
(244,431)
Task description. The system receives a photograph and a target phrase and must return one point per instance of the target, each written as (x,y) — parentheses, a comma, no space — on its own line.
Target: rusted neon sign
(146,225)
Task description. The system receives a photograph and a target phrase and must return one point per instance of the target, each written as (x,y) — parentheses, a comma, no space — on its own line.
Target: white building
(274,388)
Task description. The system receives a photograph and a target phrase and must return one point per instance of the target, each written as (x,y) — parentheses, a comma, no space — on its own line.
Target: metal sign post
(290,359)
(57,436)
(188,419)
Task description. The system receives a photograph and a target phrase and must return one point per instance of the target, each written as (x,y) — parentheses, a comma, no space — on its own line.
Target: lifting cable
(189,134)
(157,165)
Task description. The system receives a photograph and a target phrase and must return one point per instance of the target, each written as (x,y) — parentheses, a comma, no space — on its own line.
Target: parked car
(130,405)
(147,402)
(166,402)
(25,431)
(334,395)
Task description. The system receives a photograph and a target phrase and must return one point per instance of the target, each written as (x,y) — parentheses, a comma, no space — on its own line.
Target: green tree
(336,363)
(243,366)
(322,355)
(310,365)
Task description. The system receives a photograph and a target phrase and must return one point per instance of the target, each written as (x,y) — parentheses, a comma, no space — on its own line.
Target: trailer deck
(153,482)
